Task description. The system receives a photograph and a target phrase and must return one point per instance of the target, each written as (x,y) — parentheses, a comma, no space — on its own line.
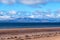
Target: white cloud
(58,16)
(8,1)
(29,2)
(5,17)
(32,1)
(55,0)
(50,15)
(35,16)
(1,12)
(32,16)
(4,1)
(13,1)
(12,12)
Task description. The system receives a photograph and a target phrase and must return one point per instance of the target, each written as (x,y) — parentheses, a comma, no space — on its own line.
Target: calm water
(28,25)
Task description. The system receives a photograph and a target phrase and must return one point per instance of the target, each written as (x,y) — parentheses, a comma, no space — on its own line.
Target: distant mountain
(28,20)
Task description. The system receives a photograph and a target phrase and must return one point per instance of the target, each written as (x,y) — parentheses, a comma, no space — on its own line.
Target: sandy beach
(30,34)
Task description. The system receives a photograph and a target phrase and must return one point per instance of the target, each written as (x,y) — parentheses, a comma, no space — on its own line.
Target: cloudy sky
(32,5)
(29,6)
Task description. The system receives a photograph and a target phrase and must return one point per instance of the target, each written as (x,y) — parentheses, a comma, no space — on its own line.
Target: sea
(28,25)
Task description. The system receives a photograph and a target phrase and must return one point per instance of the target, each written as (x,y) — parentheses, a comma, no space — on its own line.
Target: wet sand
(30,34)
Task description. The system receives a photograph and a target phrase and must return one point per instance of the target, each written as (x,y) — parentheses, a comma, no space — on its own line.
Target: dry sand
(30,34)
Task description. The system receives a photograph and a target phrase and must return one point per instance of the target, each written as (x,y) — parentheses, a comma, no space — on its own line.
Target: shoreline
(28,30)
